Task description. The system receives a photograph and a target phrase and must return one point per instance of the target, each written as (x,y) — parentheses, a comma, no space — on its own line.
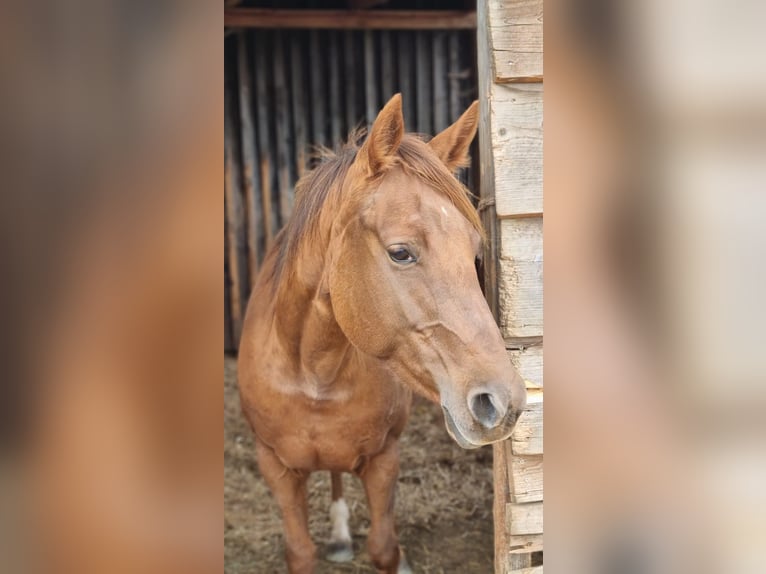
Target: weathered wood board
(516,31)
(529,363)
(525,475)
(521,277)
(516,119)
(527,438)
(524,519)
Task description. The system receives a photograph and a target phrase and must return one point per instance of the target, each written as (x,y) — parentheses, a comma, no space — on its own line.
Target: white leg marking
(340,548)
(339,516)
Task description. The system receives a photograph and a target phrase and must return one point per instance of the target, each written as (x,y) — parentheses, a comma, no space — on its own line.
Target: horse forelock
(321,188)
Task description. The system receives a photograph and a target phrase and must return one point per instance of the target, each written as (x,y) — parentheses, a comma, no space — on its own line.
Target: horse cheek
(358,299)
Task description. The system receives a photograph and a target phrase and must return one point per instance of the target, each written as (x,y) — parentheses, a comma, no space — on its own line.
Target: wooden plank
(525,476)
(516,31)
(335,97)
(406,83)
(349,68)
(521,277)
(263,107)
(283,130)
(318,114)
(298,95)
(228,337)
(529,363)
(250,172)
(370,79)
(517,148)
(440,82)
(387,65)
(525,544)
(454,77)
(423,79)
(500,499)
(523,519)
(489,264)
(527,437)
(350,19)
(487,211)
(532,570)
(235,218)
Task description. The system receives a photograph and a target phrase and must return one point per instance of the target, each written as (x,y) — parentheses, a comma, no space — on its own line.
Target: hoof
(404,568)
(340,552)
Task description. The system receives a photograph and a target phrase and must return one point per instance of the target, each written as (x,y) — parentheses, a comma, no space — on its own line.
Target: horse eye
(400,254)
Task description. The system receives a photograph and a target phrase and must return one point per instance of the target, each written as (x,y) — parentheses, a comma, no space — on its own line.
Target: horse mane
(320,188)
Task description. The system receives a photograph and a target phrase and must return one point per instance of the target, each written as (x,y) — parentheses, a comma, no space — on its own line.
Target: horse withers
(369,293)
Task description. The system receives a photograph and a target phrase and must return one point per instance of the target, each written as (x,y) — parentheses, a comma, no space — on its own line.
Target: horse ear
(452,144)
(385,136)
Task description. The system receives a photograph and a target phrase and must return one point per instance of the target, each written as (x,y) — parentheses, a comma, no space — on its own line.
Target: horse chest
(323,435)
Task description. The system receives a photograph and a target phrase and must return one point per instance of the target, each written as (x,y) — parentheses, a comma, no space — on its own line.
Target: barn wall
(287,91)
(510,50)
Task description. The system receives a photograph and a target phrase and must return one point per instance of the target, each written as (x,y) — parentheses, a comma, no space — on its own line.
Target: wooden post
(423,76)
(300,111)
(349,51)
(406,85)
(235,215)
(283,131)
(335,96)
(264,143)
(370,79)
(250,172)
(318,110)
(386,65)
(440,82)
(510,139)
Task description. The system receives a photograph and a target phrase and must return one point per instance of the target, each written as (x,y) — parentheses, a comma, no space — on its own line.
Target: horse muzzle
(475,434)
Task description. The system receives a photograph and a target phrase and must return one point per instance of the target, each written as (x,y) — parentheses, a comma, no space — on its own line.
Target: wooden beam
(350,19)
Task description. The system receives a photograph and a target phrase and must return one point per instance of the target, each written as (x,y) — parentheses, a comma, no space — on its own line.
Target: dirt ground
(443,506)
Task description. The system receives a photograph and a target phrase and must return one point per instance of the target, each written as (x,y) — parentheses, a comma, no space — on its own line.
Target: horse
(368,294)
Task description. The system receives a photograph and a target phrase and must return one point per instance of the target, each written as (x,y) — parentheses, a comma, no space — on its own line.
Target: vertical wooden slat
(318,114)
(370,80)
(406,85)
(235,216)
(386,65)
(250,172)
(335,95)
(423,78)
(350,79)
(264,145)
(298,96)
(454,76)
(283,131)
(228,337)
(440,82)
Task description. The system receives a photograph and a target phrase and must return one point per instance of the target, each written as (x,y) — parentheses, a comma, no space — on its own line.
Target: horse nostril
(482,406)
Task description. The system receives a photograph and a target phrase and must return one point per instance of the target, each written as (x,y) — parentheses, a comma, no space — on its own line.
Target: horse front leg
(379,477)
(289,490)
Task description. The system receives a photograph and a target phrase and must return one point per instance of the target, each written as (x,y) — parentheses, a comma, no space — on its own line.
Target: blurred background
(654,239)
(654,160)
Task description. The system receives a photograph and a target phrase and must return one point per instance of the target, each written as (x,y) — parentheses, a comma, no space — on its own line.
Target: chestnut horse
(370,292)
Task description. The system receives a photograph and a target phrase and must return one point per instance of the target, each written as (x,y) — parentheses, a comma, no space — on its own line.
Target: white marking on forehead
(444,211)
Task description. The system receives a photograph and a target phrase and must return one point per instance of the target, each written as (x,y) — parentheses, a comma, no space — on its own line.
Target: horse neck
(305,321)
